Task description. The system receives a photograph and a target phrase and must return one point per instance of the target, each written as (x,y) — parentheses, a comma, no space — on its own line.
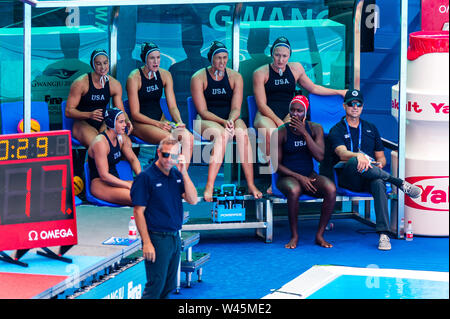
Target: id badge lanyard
(350,135)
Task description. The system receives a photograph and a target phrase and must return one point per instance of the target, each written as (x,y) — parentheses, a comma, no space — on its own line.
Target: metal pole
(357,44)
(26,68)
(113,41)
(236,35)
(402,109)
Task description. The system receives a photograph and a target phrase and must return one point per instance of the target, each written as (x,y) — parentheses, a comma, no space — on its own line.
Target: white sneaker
(411,190)
(384,243)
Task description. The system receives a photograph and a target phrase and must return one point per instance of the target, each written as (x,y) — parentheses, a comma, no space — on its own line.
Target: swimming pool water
(371,287)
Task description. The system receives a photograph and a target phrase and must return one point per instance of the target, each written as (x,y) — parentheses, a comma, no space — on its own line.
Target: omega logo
(50,234)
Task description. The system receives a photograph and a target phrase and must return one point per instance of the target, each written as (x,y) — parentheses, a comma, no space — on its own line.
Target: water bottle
(239,199)
(221,200)
(216,193)
(229,200)
(409,232)
(132,229)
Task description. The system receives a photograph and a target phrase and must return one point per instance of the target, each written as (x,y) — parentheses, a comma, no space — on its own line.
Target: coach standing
(157,195)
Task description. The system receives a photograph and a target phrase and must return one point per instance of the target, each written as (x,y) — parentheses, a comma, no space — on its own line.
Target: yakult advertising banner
(435,191)
(427,131)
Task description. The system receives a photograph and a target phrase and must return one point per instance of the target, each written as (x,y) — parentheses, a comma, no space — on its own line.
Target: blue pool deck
(242,266)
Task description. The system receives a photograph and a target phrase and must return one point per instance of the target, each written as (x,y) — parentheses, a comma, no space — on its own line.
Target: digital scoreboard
(37,207)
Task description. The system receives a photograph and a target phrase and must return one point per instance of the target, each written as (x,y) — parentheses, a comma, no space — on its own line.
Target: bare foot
(269,190)
(207,194)
(255,192)
(292,243)
(322,242)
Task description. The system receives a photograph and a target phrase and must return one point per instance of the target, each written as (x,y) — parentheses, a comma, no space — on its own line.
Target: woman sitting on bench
(104,153)
(89,96)
(299,141)
(217,94)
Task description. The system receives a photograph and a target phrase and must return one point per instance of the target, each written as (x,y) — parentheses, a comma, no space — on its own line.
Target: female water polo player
(217,94)
(145,87)
(89,96)
(299,142)
(104,153)
(274,87)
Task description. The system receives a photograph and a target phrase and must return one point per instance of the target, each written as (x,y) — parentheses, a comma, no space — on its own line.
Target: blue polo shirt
(162,197)
(370,141)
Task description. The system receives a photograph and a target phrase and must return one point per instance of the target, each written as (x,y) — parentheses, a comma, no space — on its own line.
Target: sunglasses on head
(166,155)
(354,103)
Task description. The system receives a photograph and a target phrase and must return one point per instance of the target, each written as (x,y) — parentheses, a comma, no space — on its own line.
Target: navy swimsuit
(95,99)
(296,154)
(279,91)
(150,95)
(114,157)
(218,95)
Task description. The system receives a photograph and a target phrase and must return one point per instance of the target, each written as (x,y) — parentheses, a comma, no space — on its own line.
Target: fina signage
(128,284)
(435,193)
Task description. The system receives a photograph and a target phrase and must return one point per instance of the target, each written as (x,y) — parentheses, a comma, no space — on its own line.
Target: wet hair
(95,54)
(281,42)
(216,47)
(146,49)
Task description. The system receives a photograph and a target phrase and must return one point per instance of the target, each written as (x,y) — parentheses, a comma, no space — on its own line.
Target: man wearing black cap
(358,145)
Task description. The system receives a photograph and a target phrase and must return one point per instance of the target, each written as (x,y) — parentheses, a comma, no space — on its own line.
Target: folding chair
(12,113)
(252,109)
(67,123)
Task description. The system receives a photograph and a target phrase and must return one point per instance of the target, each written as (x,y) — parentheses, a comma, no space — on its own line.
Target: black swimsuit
(279,91)
(114,157)
(150,94)
(95,99)
(296,154)
(218,95)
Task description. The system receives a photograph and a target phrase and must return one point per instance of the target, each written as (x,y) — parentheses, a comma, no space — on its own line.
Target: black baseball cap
(353,95)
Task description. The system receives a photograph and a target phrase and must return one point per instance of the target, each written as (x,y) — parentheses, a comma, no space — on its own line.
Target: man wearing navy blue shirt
(157,195)
(357,144)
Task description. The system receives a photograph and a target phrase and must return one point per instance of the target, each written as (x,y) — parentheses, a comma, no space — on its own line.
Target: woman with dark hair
(89,96)
(274,87)
(217,93)
(104,153)
(145,87)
